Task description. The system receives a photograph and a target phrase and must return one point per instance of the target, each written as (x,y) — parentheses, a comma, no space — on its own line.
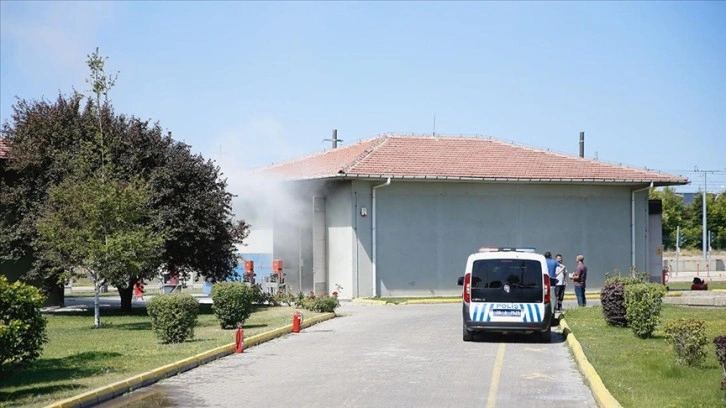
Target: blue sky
(252,83)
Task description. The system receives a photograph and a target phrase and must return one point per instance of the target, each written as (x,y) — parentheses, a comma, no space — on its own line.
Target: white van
(507,290)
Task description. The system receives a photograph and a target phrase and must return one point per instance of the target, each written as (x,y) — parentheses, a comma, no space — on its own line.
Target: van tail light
(467,288)
(547,288)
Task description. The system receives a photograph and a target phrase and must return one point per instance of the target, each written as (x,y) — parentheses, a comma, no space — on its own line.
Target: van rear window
(524,277)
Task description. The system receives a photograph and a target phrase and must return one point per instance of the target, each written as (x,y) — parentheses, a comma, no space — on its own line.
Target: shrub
(232,303)
(260,297)
(720,342)
(688,338)
(300,299)
(643,304)
(22,326)
(325,304)
(173,317)
(612,297)
(284,298)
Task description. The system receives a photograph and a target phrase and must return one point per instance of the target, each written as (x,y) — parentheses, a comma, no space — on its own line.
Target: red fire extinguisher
(239,340)
(297,320)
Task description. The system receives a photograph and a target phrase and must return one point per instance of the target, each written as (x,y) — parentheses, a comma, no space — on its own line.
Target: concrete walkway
(376,355)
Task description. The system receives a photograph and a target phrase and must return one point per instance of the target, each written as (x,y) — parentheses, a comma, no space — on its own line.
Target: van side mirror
(460,281)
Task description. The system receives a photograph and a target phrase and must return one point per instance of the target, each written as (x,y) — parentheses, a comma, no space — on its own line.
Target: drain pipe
(374,276)
(632,222)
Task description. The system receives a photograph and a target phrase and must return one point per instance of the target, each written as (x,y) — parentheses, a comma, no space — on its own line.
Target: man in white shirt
(561,276)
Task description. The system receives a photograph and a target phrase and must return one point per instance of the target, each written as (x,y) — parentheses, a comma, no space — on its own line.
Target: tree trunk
(96,304)
(126,295)
(55,295)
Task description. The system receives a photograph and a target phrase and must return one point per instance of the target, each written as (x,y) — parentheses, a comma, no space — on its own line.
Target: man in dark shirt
(580,277)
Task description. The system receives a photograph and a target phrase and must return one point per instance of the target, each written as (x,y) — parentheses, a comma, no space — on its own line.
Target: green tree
(690,219)
(99,227)
(93,220)
(672,214)
(43,138)
(717,221)
(187,195)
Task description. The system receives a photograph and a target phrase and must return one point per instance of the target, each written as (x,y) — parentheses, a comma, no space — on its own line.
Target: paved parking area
(382,356)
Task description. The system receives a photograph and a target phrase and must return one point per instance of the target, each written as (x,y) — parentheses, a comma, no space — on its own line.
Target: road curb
(432,301)
(602,396)
(369,301)
(116,389)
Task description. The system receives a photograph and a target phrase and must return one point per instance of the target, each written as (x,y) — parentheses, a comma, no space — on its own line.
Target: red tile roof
(4,149)
(460,158)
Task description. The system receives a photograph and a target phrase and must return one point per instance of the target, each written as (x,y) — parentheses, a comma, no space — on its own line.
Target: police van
(507,290)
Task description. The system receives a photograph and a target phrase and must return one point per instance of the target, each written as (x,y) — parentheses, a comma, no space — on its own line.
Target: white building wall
(340,240)
(363,241)
(427,230)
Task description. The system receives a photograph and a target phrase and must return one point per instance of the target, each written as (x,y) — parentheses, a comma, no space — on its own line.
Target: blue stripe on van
(531,312)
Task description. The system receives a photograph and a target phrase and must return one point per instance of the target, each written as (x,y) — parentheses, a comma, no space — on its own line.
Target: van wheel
(467,335)
(546,336)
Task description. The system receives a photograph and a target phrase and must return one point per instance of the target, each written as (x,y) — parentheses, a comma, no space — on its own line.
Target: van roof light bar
(507,249)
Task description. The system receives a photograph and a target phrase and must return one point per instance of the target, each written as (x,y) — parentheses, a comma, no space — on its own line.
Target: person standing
(139,290)
(580,279)
(551,265)
(561,285)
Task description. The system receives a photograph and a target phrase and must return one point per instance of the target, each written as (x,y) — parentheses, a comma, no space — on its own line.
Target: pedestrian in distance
(699,284)
(561,285)
(139,290)
(580,279)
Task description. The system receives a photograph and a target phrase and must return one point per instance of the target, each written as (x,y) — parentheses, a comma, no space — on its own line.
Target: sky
(248,84)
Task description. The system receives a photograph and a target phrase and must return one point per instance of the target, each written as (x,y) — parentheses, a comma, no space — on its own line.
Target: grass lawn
(78,358)
(642,373)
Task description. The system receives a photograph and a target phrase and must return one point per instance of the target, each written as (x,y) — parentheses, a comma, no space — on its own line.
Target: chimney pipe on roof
(335,139)
(582,144)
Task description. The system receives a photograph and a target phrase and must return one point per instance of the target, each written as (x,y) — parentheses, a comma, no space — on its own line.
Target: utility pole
(705,216)
(678,246)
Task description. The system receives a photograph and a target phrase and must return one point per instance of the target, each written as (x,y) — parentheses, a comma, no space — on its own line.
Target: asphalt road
(381,356)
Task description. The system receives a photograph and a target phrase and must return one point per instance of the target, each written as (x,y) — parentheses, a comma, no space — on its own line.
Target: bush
(612,297)
(324,304)
(232,303)
(688,338)
(22,326)
(720,342)
(284,298)
(643,304)
(300,299)
(260,297)
(173,317)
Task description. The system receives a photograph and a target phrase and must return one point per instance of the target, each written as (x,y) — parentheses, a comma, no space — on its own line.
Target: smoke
(259,198)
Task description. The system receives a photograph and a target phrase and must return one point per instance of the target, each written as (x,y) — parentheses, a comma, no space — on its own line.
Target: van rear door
(507,280)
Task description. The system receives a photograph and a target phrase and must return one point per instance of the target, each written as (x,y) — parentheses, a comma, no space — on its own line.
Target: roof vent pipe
(582,144)
(335,139)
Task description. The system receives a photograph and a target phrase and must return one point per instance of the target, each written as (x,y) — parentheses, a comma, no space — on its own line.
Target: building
(398,215)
